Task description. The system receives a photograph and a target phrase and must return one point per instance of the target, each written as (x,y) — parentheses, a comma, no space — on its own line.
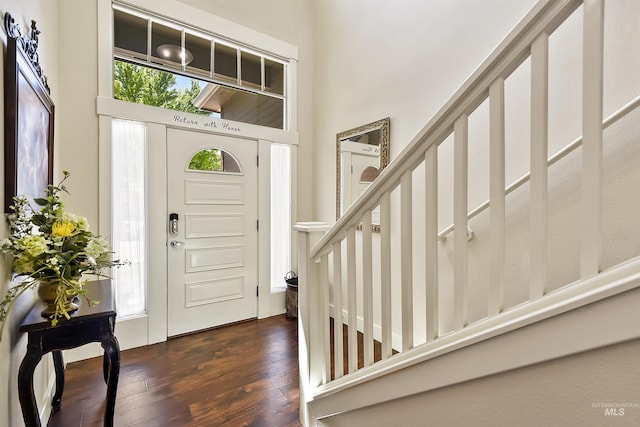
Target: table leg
(58,365)
(112,364)
(25,388)
(105,367)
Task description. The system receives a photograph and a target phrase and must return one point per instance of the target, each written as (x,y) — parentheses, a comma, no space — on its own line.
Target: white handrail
(546,16)
(612,119)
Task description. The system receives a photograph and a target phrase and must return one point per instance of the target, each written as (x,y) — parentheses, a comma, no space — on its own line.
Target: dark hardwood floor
(240,375)
(377,349)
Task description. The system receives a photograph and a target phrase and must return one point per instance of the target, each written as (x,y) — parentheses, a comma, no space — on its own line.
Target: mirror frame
(384,126)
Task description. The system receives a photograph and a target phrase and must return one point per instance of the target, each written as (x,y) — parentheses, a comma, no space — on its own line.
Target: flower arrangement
(55,246)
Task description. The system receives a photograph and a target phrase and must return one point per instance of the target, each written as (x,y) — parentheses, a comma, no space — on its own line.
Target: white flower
(33,245)
(97,247)
(79,221)
(6,244)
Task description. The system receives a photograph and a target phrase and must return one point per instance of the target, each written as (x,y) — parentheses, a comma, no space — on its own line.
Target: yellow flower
(62,229)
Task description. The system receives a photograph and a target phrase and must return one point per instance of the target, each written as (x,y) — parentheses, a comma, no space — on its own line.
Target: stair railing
(329,274)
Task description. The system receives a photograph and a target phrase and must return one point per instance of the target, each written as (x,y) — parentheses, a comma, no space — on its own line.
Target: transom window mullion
(213,60)
(183,64)
(262,81)
(239,62)
(149,32)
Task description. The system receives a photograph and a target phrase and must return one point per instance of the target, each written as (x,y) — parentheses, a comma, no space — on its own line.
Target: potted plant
(52,248)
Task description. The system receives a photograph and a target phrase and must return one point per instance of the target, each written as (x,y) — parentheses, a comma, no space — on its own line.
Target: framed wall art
(29,117)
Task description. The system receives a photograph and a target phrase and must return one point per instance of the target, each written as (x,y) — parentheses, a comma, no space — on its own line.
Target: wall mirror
(361,154)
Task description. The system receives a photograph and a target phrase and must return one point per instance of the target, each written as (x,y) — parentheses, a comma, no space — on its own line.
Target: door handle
(175,244)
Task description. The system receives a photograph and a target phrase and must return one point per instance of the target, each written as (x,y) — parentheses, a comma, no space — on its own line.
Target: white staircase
(458,302)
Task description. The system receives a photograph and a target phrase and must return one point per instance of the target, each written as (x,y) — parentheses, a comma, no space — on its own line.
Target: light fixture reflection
(174,53)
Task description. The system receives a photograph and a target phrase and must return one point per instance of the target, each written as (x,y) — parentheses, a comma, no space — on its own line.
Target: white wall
(78,122)
(404,60)
(379,58)
(13,345)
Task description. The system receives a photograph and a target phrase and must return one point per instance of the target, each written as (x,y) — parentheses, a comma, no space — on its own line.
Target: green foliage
(51,245)
(144,85)
(184,100)
(207,160)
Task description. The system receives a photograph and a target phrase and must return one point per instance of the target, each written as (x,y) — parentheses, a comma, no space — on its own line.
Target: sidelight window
(280,213)
(129,232)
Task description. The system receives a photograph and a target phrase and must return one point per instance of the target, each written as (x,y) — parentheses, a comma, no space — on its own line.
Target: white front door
(212,186)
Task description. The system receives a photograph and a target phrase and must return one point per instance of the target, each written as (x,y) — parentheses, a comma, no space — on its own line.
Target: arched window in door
(214,160)
(369,174)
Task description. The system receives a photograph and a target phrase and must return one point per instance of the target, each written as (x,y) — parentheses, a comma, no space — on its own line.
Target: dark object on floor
(291,296)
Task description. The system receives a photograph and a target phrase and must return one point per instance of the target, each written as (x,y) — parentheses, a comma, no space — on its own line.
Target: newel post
(309,312)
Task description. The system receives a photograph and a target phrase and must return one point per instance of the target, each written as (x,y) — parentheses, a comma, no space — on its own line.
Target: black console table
(88,324)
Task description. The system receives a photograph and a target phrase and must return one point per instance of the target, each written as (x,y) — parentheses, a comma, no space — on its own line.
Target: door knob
(175,244)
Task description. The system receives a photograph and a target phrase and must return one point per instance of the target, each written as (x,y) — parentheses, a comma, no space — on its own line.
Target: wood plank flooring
(377,350)
(240,375)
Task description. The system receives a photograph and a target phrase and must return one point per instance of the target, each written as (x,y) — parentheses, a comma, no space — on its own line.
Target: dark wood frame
(23,73)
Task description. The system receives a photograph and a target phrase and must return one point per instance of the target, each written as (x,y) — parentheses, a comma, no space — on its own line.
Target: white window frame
(215,40)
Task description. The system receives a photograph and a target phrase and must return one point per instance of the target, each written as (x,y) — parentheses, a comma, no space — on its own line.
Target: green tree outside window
(147,86)
(208,159)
